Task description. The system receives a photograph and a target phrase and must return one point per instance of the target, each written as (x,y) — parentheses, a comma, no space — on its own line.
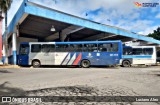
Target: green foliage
(5,5)
(155,34)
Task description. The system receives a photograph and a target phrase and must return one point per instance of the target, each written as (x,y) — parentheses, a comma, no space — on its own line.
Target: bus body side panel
(139,59)
(37,56)
(91,56)
(68,58)
(102,58)
(61,58)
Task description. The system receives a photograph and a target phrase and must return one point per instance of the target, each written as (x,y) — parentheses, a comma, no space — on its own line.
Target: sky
(119,13)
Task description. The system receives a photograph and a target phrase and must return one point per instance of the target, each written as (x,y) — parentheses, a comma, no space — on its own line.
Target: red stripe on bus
(77,59)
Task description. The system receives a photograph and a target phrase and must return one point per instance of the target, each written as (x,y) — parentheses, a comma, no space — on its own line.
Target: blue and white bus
(70,53)
(138,55)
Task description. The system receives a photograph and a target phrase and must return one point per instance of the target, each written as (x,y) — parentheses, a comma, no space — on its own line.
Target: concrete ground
(134,81)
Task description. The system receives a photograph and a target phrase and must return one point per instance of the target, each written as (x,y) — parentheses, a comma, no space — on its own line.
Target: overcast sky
(119,13)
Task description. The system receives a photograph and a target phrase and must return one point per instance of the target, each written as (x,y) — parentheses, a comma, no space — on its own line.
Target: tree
(5,6)
(155,34)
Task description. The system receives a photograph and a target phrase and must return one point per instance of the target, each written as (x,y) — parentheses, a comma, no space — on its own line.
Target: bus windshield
(24,49)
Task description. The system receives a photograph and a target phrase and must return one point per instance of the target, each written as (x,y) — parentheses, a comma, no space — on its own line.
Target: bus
(83,53)
(138,55)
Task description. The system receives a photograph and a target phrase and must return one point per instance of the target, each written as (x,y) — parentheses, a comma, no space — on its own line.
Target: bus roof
(77,42)
(138,46)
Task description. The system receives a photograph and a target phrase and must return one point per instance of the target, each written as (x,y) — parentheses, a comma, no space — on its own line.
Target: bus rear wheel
(85,63)
(126,63)
(36,63)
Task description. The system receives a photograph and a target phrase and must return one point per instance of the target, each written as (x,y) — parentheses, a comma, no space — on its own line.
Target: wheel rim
(85,63)
(126,64)
(36,63)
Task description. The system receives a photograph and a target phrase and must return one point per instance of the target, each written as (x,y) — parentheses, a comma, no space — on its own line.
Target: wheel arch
(85,59)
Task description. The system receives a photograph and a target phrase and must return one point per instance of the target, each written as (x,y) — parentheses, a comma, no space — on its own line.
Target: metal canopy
(36,20)
(40,27)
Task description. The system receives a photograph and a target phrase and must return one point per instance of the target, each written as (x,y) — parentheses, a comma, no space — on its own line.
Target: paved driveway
(70,81)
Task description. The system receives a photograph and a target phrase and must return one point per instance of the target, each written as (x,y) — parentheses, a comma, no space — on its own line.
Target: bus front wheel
(126,63)
(36,63)
(85,63)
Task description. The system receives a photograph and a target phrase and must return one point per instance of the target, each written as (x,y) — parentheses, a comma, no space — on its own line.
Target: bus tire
(36,63)
(85,63)
(126,63)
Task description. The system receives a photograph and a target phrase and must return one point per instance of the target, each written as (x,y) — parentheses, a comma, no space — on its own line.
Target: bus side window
(52,48)
(137,51)
(90,48)
(58,48)
(48,48)
(93,47)
(85,47)
(115,47)
(109,47)
(65,48)
(45,48)
(35,48)
(148,51)
(102,47)
(78,47)
(71,48)
(127,51)
(62,48)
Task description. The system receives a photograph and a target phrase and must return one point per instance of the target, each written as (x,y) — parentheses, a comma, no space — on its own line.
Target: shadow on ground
(72,66)
(6,89)
(5,71)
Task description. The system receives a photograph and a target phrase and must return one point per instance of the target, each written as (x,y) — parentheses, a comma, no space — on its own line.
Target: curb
(9,66)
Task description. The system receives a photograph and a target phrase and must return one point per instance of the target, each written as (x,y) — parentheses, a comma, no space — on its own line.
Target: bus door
(23,58)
